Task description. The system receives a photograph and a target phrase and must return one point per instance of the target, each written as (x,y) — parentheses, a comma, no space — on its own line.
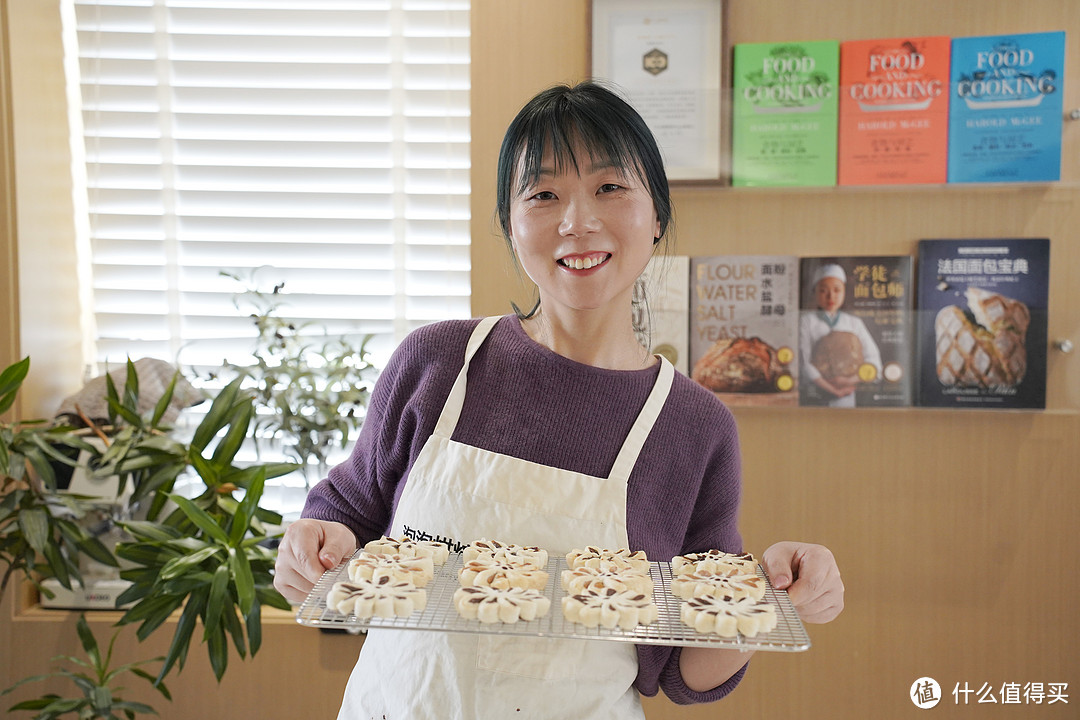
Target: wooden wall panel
(935,515)
(955,530)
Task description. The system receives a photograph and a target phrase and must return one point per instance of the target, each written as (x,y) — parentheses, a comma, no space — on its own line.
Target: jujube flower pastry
(604,559)
(437,551)
(737,585)
(583,578)
(492,605)
(369,566)
(493,548)
(610,608)
(715,562)
(727,616)
(383,598)
(502,573)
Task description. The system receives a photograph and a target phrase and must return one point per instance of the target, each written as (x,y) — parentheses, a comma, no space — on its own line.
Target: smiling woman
(582,200)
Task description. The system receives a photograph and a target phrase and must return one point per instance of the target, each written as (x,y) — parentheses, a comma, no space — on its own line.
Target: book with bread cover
(856,332)
(894,111)
(784,113)
(982,312)
(744,327)
(662,309)
(1006,110)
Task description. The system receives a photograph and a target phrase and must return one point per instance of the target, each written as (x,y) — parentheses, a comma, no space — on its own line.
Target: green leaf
(182,637)
(234,626)
(131,390)
(111,397)
(96,550)
(271,597)
(115,408)
(10,381)
(150,530)
(217,417)
(130,707)
(245,583)
(150,678)
(58,565)
(219,651)
(209,473)
(182,565)
(163,402)
(228,446)
(89,642)
(254,626)
(201,518)
(218,590)
(242,519)
(34,523)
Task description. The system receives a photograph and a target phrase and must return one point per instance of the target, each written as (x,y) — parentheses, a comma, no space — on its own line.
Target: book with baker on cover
(982,313)
(662,309)
(784,113)
(856,337)
(894,111)
(1006,111)
(744,327)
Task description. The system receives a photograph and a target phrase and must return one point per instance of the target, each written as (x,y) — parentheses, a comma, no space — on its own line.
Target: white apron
(466,493)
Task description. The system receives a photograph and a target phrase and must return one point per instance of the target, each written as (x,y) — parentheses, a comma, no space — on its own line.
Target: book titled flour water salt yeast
(982,322)
(744,327)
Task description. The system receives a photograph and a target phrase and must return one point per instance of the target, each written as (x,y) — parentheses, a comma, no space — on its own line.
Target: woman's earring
(655,240)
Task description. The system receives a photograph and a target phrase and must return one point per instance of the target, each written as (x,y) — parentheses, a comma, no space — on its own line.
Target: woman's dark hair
(592,115)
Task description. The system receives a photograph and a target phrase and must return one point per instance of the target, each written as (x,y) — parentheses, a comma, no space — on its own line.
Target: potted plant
(311,388)
(100,698)
(39,529)
(210,554)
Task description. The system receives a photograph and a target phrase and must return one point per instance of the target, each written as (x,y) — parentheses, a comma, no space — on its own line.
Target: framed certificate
(669,61)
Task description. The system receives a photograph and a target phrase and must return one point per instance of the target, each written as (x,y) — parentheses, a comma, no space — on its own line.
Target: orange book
(894,111)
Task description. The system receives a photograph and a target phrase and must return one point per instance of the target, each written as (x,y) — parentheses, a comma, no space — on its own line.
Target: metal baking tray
(789,635)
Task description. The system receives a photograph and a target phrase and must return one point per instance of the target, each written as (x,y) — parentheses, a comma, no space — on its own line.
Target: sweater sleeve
(699,440)
(362,491)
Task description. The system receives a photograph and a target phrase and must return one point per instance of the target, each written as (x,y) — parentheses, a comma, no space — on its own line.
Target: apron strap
(451,411)
(635,440)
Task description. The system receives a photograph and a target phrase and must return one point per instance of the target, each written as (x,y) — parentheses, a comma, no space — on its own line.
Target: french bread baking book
(856,331)
(744,327)
(1006,110)
(662,309)
(982,312)
(784,113)
(894,111)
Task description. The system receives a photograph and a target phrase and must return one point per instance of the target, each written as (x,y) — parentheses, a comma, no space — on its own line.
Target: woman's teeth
(582,263)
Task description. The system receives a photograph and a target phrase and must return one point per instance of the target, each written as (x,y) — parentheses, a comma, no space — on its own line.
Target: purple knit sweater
(526,401)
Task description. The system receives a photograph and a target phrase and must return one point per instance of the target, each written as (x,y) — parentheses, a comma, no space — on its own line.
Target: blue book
(1005,115)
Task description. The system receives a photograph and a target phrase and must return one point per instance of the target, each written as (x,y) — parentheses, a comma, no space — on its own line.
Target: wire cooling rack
(789,635)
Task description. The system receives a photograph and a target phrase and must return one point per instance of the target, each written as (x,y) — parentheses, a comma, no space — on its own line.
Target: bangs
(562,126)
(567,121)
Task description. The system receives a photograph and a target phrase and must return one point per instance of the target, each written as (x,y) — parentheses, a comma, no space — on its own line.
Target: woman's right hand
(308,549)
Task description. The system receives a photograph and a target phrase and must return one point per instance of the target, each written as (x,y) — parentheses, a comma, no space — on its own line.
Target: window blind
(325,142)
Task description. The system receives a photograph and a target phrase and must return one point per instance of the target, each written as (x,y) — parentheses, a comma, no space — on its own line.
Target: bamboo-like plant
(100,698)
(37,523)
(209,555)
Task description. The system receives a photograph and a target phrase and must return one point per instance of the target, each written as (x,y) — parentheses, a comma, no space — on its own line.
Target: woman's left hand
(810,575)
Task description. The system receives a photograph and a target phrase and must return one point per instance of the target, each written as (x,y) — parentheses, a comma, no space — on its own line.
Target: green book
(784,113)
